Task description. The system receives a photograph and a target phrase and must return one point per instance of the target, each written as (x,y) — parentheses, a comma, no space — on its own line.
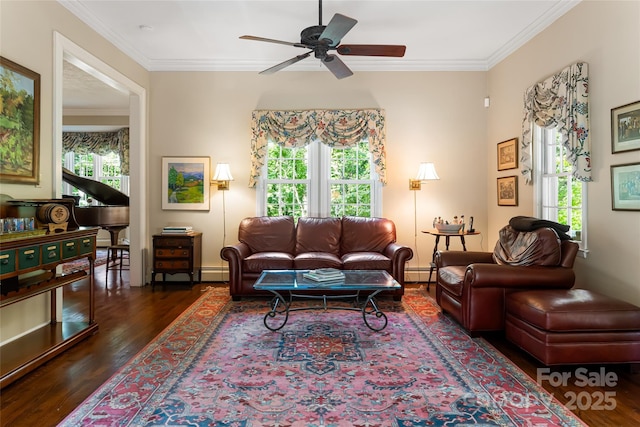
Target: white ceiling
(183,35)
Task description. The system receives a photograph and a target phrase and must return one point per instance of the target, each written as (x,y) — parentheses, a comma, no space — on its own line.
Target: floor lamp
(426,172)
(221,178)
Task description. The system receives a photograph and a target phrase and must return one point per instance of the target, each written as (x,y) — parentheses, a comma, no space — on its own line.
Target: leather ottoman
(573,326)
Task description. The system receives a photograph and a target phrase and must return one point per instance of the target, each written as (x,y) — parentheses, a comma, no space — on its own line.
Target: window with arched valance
(335,128)
(560,102)
(101,143)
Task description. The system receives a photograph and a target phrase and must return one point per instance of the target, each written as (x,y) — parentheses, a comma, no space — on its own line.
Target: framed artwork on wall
(508,191)
(625,128)
(19,124)
(625,187)
(508,154)
(185,183)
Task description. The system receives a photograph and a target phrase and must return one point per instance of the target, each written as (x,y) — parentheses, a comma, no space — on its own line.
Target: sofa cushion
(268,234)
(268,261)
(539,247)
(318,235)
(314,260)
(452,277)
(365,261)
(366,234)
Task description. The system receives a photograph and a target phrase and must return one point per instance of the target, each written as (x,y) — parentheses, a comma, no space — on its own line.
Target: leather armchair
(472,286)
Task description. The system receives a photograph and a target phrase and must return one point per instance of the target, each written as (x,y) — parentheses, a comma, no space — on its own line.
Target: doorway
(66,50)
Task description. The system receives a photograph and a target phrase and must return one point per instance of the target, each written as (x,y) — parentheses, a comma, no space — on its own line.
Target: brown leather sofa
(472,286)
(278,243)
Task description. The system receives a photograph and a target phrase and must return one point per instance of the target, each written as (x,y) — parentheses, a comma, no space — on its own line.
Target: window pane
(287,199)
(562,192)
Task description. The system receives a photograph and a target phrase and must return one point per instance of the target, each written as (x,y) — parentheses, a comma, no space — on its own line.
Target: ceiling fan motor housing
(309,36)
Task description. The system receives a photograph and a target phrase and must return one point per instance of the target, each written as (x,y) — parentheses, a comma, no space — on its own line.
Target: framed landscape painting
(625,128)
(185,183)
(19,123)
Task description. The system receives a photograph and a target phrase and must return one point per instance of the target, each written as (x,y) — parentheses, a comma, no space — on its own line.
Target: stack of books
(177,229)
(324,275)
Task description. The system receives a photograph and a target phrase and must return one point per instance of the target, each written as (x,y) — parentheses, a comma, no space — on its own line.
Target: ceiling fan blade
(372,50)
(262,39)
(337,28)
(286,63)
(337,67)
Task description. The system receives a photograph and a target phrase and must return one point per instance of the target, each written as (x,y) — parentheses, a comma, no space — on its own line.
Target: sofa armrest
(399,255)
(445,258)
(239,251)
(508,276)
(235,255)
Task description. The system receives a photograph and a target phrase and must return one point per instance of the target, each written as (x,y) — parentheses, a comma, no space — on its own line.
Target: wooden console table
(39,255)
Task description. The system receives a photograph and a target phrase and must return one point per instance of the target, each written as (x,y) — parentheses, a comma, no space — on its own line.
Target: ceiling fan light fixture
(320,39)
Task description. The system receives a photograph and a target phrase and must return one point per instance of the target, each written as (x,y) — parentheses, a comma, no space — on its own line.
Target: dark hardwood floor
(129,318)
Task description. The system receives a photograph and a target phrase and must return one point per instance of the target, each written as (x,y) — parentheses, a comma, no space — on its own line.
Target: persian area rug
(83,264)
(217,365)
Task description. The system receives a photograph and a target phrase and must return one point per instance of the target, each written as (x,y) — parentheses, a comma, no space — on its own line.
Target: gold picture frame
(508,191)
(508,154)
(19,124)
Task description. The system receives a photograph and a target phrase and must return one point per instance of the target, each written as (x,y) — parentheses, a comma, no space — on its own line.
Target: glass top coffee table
(293,284)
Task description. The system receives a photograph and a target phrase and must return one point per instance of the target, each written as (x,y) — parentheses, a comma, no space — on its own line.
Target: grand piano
(112,216)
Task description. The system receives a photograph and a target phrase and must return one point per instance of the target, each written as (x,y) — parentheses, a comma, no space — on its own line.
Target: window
(559,196)
(105,169)
(318,180)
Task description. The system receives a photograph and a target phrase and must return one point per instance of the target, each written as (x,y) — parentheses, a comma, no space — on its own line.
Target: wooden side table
(447,236)
(177,253)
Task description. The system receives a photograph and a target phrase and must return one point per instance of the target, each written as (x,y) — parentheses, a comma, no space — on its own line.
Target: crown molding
(531,31)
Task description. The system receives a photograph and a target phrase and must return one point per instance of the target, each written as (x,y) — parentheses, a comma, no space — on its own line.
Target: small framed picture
(625,128)
(508,154)
(185,183)
(625,187)
(508,191)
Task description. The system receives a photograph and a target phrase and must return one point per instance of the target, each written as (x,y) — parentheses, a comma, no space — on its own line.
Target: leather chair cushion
(366,261)
(539,247)
(257,262)
(451,278)
(572,310)
(318,235)
(313,260)
(366,234)
(268,234)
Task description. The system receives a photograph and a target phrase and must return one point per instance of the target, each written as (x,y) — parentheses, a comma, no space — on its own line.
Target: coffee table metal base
(280,308)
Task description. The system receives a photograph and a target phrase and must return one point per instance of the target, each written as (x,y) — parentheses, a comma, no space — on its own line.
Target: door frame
(65,49)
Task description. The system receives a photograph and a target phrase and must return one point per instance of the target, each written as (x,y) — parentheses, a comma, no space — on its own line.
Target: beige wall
(431,116)
(26,37)
(606,35)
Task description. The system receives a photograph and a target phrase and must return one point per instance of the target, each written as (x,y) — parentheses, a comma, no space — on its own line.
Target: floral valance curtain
(560,101)
(336,128)
(101,143)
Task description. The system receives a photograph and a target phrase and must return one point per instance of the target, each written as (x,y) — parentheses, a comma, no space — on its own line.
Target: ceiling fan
(321,39)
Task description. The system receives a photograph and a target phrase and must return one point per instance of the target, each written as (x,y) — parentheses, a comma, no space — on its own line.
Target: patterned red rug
(217,365)
(83,264)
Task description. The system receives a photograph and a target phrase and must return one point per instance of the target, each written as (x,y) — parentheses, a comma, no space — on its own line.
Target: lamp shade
(427,172)
(223,172)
